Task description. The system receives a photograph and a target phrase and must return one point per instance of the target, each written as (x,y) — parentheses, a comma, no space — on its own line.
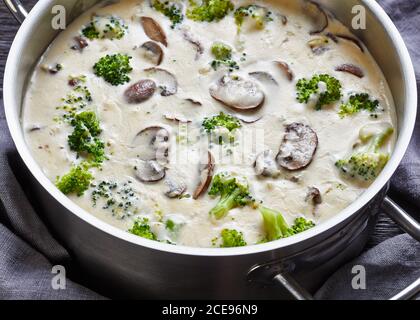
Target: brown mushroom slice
(152,143)
(351,39)
(350,68)
(206,175)
(314,196)
(237,93)
(165,80)
(286,69)
(140,91)
(317,15)
(184,111)
(80,43)
(249,118)
(263,77)
(153,30)
(175,187)
(152,52)
(265,164)
(319,45)
(149,171)
(284,19)
(298,147)
(195,43)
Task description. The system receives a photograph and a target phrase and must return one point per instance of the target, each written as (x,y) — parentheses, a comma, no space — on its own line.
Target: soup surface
(213,124)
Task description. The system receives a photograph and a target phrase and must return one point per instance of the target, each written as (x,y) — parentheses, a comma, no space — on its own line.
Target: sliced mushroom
(153,30)
(149,171)
(286,69)
(319,45)
(237,93)
(165,80)
(80,43)
(352,69)
(265,164)
(194,102)
(175,187)
(152,143)
(351,39)
(52,69)
(152,52)
(195,43)
(318,16)
(249,118)
(206,175)
(140,91)
(264,77)
(313,196)
(284,19)
(298,147)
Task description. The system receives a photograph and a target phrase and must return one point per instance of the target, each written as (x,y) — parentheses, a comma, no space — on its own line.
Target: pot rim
(405,133)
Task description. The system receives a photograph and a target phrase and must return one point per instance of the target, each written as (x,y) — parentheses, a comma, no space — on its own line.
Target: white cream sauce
(121,121)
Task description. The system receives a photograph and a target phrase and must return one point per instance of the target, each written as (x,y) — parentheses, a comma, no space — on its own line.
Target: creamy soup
(210,124)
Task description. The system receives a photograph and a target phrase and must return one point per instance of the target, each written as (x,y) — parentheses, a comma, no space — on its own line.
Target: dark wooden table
(384,229)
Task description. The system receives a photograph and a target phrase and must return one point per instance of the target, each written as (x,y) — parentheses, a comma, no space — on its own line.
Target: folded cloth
(28,252)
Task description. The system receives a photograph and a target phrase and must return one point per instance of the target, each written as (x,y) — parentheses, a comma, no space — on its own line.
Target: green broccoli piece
(141,228)
(276,226)
(90,32)
(223,55)
(300,225)
(260,15)
(76,181)
(222,121)
(114,68)
(84,138)
(233,193)
(171,10)
(105,27)
(357,103)
(306,88)
(232,238)
(209,10)
(367,161)
(221,51)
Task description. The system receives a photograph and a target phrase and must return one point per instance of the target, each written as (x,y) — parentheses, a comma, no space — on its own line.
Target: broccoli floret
(222,121)
(141,228)
(105,27)
(209,10)
(76,181)
(259,14)
(90,32)
(114,68)
(84,138)
(171,10)
(276,226)
(367,161)
(221,51)
(233,193)
(232,238)
(306,88)
(357,103)
(300,225)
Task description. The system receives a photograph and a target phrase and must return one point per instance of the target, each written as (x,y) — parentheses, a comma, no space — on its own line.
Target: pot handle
(17,9)
(402,218)
(284,279)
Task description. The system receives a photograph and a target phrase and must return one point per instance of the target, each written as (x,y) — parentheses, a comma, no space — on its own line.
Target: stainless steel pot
(135,267)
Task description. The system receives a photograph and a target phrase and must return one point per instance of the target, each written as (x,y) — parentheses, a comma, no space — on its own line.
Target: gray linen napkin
(28,251)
